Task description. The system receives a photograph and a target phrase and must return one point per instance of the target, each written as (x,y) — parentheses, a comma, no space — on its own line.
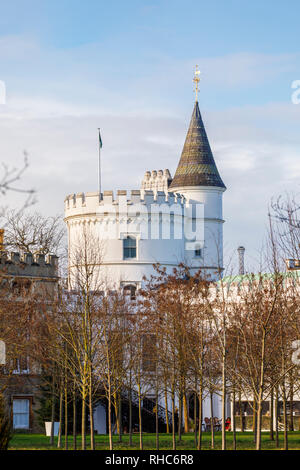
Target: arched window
(129,248)
(130,290)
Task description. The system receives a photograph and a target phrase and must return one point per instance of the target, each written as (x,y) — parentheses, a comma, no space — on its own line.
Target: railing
(148,405)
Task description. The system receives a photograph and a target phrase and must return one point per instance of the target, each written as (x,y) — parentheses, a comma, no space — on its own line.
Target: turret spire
(197,165)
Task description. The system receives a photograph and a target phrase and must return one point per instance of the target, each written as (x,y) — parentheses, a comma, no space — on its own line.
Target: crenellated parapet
(28,264)
(142,213)
(88,204)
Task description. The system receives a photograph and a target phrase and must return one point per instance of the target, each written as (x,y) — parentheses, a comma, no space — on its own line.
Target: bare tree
(285,220)
(32,232)
(9,182)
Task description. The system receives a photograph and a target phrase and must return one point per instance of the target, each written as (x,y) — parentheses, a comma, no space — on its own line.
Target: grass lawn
(244,442)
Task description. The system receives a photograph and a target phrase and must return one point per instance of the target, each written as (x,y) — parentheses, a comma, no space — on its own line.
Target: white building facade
(167,221)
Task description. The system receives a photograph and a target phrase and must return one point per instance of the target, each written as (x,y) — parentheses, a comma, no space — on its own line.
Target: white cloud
(55,110)
(255,165)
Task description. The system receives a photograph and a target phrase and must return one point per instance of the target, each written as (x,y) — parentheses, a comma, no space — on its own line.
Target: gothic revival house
(167,221)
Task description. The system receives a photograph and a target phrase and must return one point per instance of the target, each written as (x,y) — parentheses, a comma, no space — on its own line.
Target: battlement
(156,180)
(91,203)
(28,264)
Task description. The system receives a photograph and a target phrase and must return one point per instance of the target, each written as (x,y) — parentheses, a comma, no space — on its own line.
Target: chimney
(241,251)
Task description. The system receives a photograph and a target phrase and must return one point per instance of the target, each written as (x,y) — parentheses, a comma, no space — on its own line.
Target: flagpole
(99,166)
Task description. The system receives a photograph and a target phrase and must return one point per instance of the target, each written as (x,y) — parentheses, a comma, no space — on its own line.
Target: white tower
(137,231)
(198,180)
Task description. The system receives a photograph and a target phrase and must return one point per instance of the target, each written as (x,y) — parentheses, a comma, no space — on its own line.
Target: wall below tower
(157,221)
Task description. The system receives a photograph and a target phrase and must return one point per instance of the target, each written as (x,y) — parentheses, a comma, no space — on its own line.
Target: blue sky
(72,66)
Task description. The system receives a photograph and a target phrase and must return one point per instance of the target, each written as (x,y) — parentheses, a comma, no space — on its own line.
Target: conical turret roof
(196,165)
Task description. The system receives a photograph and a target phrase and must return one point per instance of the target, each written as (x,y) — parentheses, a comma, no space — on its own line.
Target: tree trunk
(195,418)
(272,414)
(173,418)
(241,410)
(166,411)
(109,416)
(60,418)
(130,415)
(83,423)
(285,420)
(156,419)
(52,412)
(291,424)
(92,432)
(260,391)
(212,429)
(258,425)
(233,421)
(276,416)
(224,400)
(66,412)
(116,408)
(120,416)
(140,418)
(200,398)
(179,415)
(254,426)
(74,419)
(185,413)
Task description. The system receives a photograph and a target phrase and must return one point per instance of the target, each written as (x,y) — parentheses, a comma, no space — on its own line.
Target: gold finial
(196,80)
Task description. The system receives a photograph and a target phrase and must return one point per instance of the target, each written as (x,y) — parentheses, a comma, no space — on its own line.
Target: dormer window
(129,247)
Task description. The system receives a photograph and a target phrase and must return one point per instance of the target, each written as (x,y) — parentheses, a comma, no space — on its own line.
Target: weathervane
(196,80)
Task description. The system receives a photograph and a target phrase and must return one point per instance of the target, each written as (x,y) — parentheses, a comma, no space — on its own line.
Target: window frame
(130,237)
(17,365)
(130,287)
(198,249)
(28,413)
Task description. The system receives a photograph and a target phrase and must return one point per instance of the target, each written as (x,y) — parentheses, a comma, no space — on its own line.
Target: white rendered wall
(211,197)
(133,216)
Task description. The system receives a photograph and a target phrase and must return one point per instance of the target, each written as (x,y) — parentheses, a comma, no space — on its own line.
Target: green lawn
(244,441)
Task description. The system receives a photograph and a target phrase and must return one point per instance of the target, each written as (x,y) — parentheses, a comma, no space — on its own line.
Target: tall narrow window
(21,413)
(148,352)
(129,248)
(21,365)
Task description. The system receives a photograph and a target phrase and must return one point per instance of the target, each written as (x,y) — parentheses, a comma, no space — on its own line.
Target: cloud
(60,98)
(244,69)
(254,162)
(97,76)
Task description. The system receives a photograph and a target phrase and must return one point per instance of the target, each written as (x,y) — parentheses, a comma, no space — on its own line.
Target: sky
(70,67)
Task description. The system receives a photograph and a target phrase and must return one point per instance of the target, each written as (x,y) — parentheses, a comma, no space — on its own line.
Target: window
(130,290)
(148,353)
(21,413)
(21,287)
(21,365)
(129,248)
(198,252)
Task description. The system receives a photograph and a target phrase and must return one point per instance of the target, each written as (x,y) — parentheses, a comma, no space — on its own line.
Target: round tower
(198,180)
(123,236)
(160,223)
